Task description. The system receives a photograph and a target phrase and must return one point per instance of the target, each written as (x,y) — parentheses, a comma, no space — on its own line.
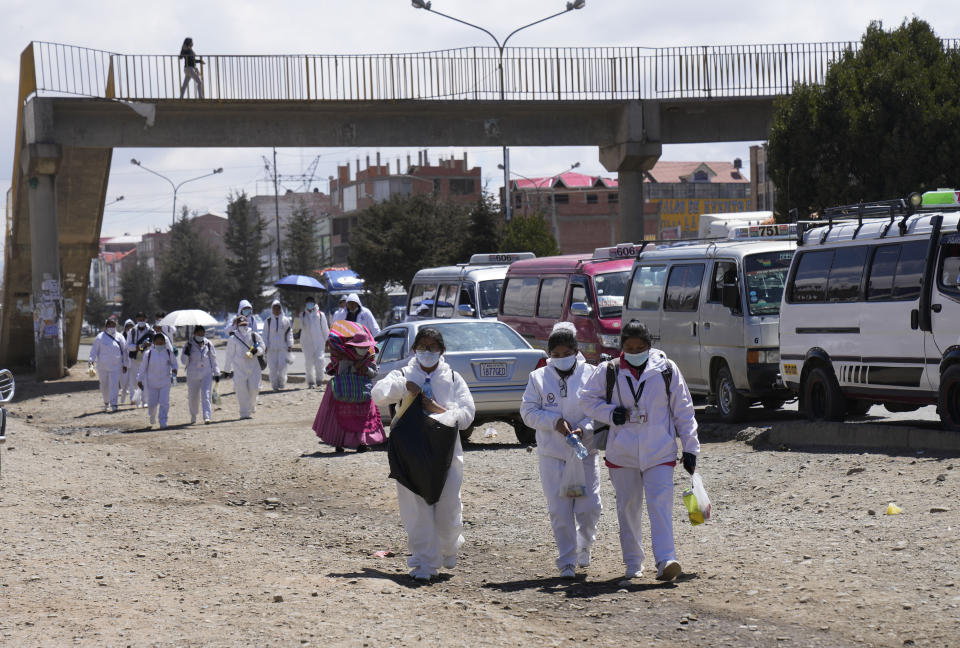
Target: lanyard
(636,393)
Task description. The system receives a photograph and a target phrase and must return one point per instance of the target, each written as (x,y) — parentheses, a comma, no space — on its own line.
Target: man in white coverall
(278,339)
(357,312)
(313,339)
(158,365)
(138,341)
(341,312)
(109,355)
(200,359)
(245,370)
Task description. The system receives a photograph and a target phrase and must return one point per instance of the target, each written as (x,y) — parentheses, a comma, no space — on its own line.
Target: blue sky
(365,26)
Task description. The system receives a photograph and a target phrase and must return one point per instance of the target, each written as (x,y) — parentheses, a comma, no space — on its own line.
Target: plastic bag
(696,501)
(136,397)
(573,480)
(289,357)
(91,371)
(420,450)
(215,394)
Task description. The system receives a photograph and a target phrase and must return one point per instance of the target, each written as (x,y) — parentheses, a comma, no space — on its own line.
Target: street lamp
(538,185)
(175,187)
(113,202)
(571,6)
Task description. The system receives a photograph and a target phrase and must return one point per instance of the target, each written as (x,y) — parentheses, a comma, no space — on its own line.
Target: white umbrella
(188,318)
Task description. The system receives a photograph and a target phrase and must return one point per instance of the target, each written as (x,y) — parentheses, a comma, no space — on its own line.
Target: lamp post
(175,187)
(113,202)
(571,6)
(538,185)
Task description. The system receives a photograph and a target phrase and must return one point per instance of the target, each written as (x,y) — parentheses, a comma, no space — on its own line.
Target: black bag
(420,451)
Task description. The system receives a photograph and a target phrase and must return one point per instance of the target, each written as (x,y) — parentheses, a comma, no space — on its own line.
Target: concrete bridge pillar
(40,164)
(637,148)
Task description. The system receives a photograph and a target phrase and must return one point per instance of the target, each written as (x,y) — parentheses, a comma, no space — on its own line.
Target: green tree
(301,254)
(245,241)
(191,270)
(137,291)
(483,228)
(395,238)
(885,123)
(97,310)
(529,233)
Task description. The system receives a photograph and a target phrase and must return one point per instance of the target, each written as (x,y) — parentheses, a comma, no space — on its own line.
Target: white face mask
(111,330)
(428,358)
(311,307)
(361,351)
(244,328)
(636,359)
(564,364)
(198,338)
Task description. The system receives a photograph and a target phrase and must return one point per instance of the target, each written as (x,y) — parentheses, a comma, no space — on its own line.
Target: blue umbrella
(301,282)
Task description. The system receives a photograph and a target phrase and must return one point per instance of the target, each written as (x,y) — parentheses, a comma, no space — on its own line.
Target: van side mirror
(730,296)
(580,309)
(465,310)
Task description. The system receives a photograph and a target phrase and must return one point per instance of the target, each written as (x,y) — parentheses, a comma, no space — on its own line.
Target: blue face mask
(636,359)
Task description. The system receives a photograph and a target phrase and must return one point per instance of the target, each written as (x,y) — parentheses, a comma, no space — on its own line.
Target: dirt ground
(249,533)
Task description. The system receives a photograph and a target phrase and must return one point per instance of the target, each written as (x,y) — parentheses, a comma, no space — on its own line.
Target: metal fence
(469,73)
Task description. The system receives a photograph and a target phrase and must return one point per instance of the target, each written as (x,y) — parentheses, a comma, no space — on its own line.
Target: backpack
(613,367)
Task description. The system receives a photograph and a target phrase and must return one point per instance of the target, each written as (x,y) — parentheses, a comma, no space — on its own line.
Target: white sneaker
(634,572)
(667,570)
(567,571)
(421,574)
(193,420)
(206,421)
(449,562)
(106,408)
(583,558)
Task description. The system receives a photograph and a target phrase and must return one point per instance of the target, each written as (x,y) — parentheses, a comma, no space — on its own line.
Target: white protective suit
(138,341)
(313,339)
(250,319)
(278,340)
(433,530)
(339,314)
(128,383)
(109,354)
(643,452)
(246,371)
(363,315)
(200,359)
(546,400)
(155,371)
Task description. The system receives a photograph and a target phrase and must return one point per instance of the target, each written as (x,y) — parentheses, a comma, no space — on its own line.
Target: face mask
(246,311)
(198,338)
(361,351)
(428,358)
(111,330)
(564,364)
(244,328)
(311,307)
(141,325)
(636,359)
(160,346)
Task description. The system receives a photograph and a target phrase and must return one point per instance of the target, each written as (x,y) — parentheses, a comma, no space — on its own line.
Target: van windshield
(766,275)
(610,288)
(489,297)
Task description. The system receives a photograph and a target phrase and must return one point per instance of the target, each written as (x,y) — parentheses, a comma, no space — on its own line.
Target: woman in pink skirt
(347,416)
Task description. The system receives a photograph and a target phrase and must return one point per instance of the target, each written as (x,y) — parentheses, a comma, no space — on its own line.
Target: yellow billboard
(685,212)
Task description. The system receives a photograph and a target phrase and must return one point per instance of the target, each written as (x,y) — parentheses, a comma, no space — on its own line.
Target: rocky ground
(250,533)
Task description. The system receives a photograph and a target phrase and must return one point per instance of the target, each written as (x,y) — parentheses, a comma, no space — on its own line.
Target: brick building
(319,204)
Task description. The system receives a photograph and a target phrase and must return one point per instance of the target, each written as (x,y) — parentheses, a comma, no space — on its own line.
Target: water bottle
(574,441)
(427,389)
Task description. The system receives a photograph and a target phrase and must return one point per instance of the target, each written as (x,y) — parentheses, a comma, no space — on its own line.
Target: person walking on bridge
(190,61)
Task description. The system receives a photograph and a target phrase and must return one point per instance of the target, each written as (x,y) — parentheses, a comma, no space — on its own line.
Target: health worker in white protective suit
(200,358)
(109,355)
(243,348)
(138,341)
(356,312)
(341,312)
(245,308)
(649,409)
(278,339)
(125,384)
(313,339)
(433,530)
(550,406)
(159,363)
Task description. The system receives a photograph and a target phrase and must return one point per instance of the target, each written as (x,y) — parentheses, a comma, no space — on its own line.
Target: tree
(300,252)
(136,289)
(529,233)
(191,271)
(97,310)
(483,228)
(395,238)
(245,244)
(885,123)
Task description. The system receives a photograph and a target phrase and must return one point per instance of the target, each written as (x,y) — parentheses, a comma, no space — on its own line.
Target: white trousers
(277,366)
(573,519)
(434,530)
(313,360)
(191,73)
(158,398)
(631,486)
(110,384)
(247,388)
(199,393)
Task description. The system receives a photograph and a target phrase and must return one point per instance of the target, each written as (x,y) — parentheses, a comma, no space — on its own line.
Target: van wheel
(949,401)
(525,435)
(822,396)
(733,407)
(858,406)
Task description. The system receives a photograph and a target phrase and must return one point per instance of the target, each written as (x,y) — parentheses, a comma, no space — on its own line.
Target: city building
(277,210)
(684,190)
(761,186)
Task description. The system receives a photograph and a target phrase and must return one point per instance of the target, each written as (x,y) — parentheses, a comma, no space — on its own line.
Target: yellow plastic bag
(893,509)
(696,501)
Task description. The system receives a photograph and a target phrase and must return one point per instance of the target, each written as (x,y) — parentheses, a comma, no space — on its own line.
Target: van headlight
(610,341)
(763,356)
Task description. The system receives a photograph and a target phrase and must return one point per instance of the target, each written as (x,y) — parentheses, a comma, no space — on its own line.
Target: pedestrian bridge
(76,105)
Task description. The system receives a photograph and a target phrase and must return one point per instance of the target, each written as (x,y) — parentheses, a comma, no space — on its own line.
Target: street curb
(859,435)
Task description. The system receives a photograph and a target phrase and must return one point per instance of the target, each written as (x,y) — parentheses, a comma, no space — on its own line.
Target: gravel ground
(250,533)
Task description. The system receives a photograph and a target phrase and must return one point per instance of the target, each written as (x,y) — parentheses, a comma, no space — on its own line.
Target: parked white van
(463,290)
(871,313)
(721,225)
(713,307)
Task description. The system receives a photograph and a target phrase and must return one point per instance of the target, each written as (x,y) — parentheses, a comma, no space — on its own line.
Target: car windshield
(766,275)
(490,297)
(480,336)
(611,287)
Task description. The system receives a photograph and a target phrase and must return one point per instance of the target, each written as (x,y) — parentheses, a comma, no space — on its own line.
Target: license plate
(493,370)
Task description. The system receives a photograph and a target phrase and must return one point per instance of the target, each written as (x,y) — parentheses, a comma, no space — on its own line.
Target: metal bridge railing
(469,73)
